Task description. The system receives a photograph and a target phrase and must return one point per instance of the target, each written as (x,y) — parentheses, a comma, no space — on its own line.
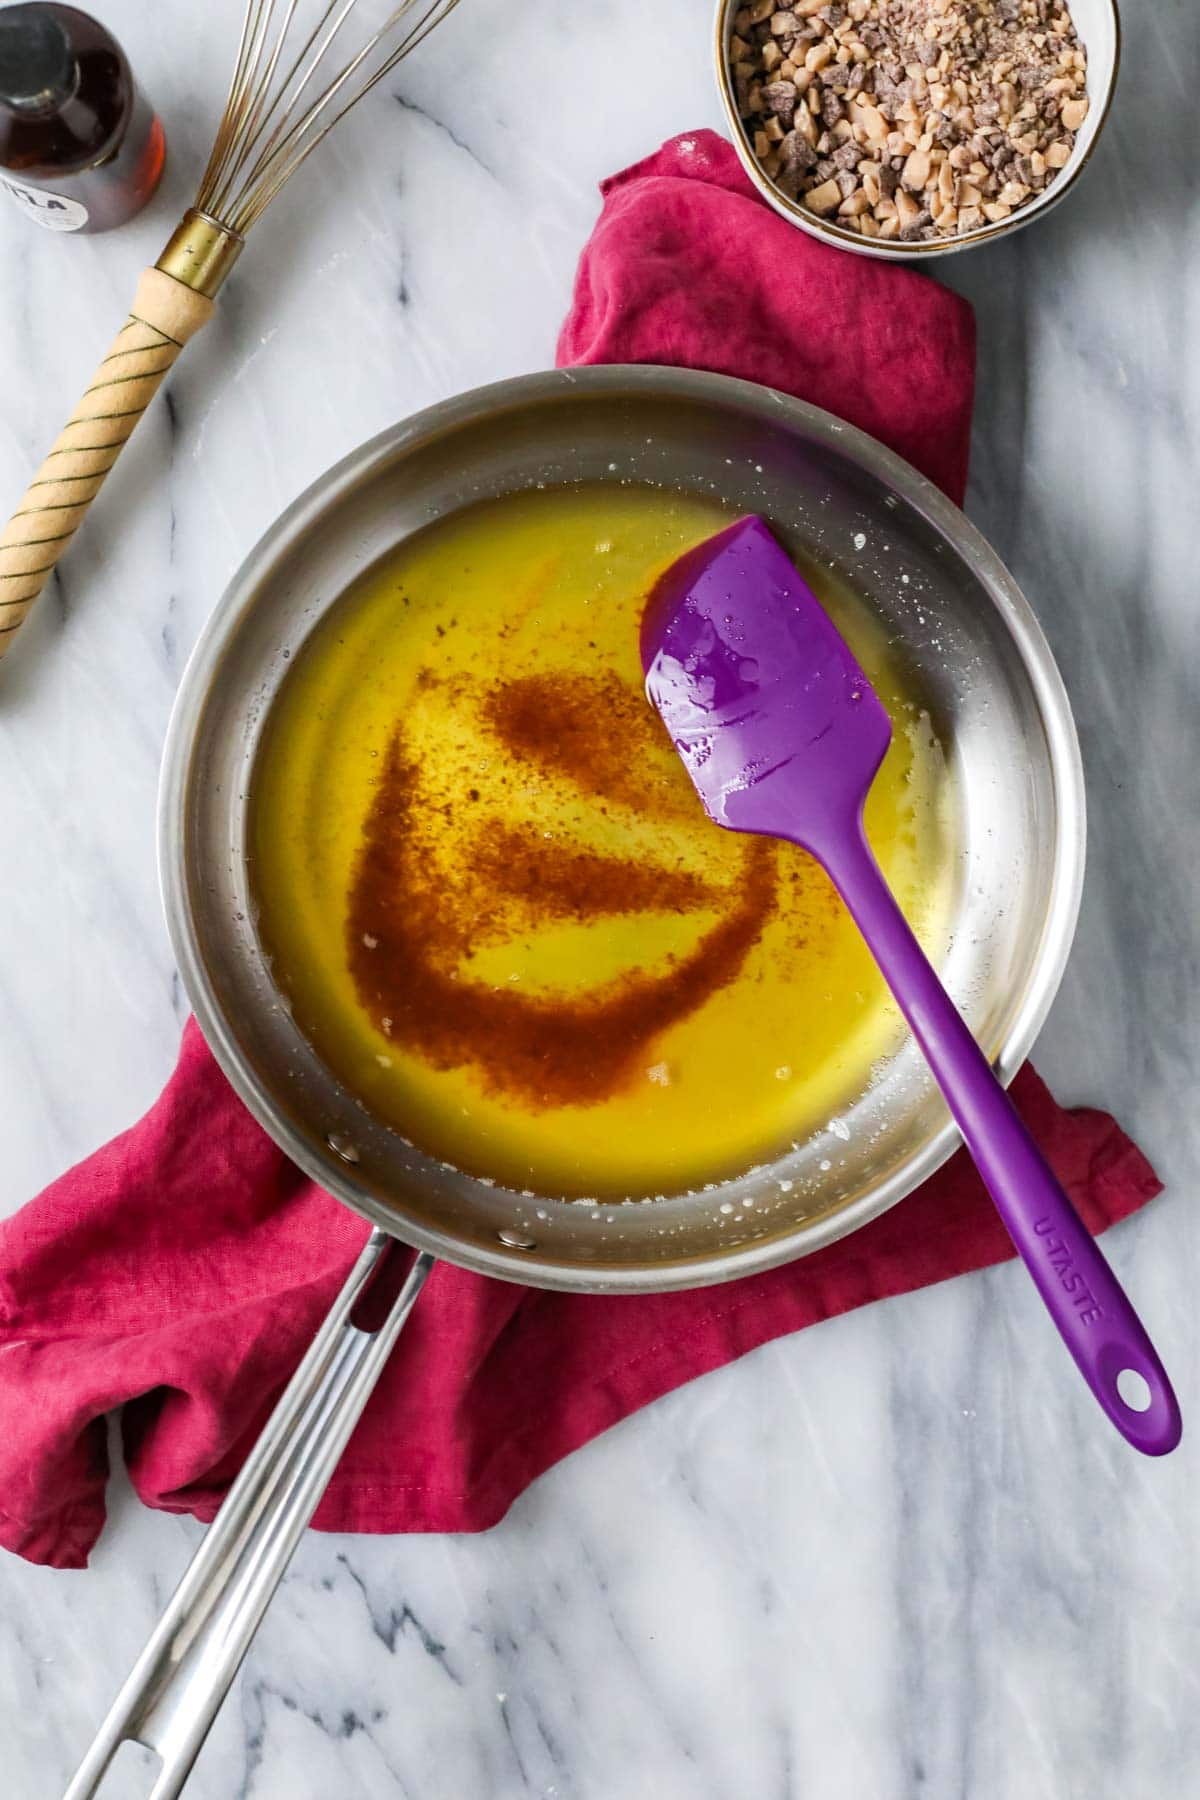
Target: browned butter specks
(409,934)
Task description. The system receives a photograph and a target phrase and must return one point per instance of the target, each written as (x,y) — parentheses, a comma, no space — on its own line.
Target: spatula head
(778,727)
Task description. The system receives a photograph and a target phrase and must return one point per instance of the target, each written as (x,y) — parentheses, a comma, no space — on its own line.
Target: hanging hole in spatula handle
(1095,1316)
(1136,1393)
(1082,1295)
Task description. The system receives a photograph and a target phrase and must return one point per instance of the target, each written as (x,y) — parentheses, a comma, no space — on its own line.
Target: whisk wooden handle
(165,314)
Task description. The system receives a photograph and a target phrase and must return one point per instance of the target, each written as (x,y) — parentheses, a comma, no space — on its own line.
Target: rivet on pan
(516,1240)
(342,1147)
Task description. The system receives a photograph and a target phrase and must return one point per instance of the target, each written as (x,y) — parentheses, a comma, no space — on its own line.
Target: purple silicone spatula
(782,734)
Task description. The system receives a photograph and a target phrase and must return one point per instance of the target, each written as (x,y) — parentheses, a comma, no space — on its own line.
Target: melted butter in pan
(492,896)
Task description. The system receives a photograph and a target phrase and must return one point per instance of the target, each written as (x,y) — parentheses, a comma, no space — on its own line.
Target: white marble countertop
(854,1566)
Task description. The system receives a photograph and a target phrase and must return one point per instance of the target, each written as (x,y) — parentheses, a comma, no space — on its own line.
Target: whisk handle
(164,315)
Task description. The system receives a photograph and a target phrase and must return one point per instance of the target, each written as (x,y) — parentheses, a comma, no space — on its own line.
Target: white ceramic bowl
(1099,28)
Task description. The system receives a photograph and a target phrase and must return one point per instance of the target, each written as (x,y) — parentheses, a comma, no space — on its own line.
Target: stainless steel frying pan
(976,656)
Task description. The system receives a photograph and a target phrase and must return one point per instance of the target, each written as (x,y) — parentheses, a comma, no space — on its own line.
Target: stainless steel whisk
(282,102)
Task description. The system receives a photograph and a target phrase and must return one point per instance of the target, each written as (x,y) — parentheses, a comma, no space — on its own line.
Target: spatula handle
(1081,1293)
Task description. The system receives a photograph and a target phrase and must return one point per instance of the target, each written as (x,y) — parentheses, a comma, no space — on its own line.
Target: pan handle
(176,1687)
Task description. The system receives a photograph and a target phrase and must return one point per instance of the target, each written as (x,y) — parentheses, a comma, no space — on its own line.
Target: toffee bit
(963,111)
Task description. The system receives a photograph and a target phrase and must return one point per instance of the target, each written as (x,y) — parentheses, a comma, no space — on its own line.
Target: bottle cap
(37,65)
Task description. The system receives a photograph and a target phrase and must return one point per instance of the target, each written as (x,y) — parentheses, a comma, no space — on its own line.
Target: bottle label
(53,211)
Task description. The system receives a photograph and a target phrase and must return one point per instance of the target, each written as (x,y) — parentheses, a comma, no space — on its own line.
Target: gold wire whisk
(281,104)
(270,125)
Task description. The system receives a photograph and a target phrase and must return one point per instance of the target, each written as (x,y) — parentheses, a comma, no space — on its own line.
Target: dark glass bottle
(80,148)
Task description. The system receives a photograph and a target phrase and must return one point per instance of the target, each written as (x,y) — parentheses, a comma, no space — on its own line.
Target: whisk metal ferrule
(200,252)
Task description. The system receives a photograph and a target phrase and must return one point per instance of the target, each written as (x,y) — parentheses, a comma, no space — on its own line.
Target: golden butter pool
(491,896)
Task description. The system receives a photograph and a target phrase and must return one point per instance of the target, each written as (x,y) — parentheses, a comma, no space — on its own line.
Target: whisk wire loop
(280,106)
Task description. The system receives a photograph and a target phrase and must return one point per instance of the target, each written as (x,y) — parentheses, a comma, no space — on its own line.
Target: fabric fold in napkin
(180,1272)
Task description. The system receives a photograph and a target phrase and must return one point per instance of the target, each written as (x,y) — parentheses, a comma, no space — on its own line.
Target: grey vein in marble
(895,1558)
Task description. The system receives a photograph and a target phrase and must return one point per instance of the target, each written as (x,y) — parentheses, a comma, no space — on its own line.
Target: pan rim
(1016,613)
